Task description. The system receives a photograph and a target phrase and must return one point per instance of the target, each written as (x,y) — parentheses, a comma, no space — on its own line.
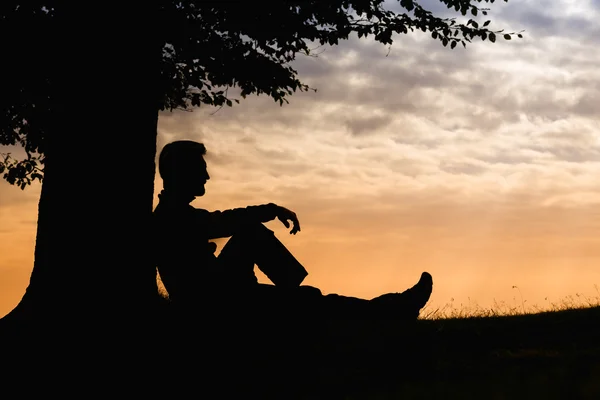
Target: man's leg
(405,305)
(258,245)
(400,306)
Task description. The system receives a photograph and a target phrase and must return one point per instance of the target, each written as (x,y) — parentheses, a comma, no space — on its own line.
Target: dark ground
(552,355)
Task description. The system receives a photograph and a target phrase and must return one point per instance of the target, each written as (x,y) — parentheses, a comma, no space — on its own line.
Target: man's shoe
(405,305)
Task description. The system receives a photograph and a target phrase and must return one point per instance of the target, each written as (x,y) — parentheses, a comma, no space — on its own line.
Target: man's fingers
(286,216)
(284,221)
(296,227)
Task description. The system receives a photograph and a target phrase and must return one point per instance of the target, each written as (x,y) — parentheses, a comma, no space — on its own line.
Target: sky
(478,165)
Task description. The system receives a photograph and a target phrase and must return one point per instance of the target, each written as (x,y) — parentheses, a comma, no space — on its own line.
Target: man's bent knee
(254,230)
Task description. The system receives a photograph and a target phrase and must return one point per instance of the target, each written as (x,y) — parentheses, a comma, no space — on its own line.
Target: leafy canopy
(208,47)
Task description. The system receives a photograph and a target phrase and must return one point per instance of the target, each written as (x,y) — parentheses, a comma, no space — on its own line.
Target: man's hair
(175,156)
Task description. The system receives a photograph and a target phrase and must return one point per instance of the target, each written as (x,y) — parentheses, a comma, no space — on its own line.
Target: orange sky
(479,165)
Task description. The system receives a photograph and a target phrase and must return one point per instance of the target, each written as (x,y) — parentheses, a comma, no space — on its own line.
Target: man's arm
(226,223)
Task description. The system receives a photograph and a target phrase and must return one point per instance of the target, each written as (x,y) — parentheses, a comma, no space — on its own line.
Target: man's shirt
(184,257)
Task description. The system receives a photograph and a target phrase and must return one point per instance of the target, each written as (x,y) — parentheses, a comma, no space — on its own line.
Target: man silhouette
(194,276)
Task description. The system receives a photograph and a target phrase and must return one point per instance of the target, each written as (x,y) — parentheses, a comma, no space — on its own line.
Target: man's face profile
(192,175)
(198,175)
(183,168)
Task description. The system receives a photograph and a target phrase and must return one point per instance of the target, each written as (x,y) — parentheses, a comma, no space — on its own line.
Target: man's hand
(285,216)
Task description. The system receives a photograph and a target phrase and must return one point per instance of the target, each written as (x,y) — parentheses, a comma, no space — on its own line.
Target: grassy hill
(545,355)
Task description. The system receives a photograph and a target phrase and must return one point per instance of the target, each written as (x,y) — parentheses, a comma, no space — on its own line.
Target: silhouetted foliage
(207,47)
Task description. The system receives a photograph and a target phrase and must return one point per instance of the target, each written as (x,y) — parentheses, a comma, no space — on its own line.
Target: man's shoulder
(171,208)
(177,213)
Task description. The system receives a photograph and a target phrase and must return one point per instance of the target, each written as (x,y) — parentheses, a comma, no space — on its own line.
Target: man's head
(182,167)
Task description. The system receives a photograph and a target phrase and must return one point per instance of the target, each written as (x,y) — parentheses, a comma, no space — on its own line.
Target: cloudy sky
(479,165)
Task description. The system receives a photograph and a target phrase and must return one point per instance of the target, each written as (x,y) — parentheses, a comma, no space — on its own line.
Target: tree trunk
(92,254)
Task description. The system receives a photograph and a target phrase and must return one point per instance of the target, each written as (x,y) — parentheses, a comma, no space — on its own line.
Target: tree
(80,72)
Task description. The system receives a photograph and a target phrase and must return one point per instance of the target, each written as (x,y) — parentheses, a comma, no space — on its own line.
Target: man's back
(183,257)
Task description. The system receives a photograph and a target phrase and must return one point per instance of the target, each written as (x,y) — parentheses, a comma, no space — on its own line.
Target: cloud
(365,124)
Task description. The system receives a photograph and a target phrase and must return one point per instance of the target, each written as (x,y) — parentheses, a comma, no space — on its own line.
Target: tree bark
(92,254)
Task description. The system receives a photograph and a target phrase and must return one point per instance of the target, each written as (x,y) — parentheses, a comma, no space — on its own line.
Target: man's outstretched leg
(403,306)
